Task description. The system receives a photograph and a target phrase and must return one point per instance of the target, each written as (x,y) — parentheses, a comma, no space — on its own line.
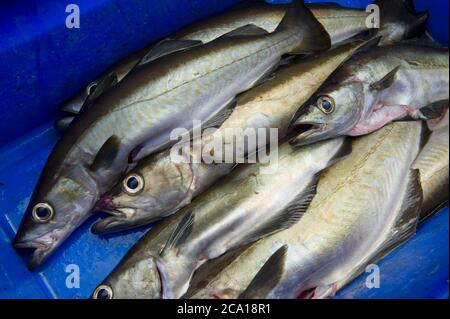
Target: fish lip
(106,205)
(41,250)
(25,244)
(109,224)
(105,226)
(313,129)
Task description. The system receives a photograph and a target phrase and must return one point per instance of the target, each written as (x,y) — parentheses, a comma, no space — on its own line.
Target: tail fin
(403,14)
(299,18)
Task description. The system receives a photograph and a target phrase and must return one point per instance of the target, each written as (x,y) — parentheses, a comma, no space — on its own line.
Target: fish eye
(103,292)
(133,184)
(326,104)
(43,213)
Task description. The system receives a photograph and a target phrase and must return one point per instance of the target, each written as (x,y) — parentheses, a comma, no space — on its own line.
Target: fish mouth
(42,246)
(114,223)
(108,225)
(308,133)
(121,218)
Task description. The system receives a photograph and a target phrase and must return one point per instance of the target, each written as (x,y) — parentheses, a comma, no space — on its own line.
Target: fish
(399,21)
(137,276)
(341,23)
(364,205)
(164,187)
(193,82)
(432,163)
(369,204)
(248,205)
(405,81)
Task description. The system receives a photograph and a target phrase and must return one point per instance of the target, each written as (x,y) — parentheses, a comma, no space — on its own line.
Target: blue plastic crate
(43,64)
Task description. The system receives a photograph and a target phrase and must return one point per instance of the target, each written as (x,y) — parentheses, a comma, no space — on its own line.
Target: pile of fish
(361,116)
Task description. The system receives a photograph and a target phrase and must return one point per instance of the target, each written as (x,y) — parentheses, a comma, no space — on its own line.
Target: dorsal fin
(268,277)
(289,217)
(386,81)
(167,47)
(300,20)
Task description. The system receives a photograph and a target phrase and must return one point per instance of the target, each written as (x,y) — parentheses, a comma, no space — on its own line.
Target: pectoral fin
(247,30)
(386,82)
(107,154)
(167,47)
(180,233)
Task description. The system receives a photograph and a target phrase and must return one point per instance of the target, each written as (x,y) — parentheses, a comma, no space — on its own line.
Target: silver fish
(341,23)
(365,206)
(376,87)
(161,187)
(247,206)
(164,92)
(137,276)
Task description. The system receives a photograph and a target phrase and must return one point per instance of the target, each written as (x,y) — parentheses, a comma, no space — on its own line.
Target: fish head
(331,113)
(148,193)
(57,207)
(135,278)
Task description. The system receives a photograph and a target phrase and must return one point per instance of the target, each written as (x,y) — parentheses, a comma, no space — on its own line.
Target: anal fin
(289,217)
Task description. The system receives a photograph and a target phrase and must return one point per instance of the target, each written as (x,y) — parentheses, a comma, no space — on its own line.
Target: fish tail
(395,11)
(299,18)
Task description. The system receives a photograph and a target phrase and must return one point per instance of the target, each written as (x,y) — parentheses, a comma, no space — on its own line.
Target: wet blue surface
(43,64)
